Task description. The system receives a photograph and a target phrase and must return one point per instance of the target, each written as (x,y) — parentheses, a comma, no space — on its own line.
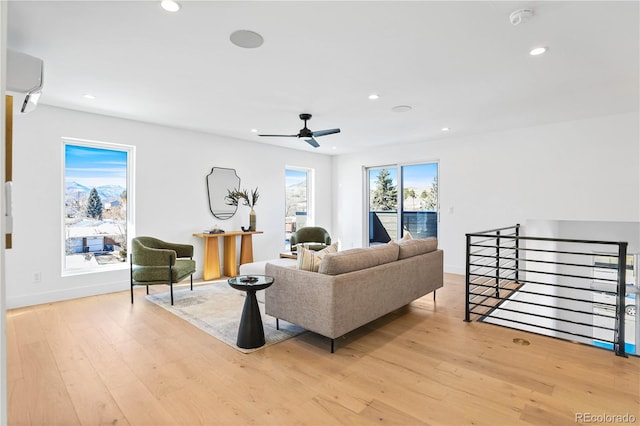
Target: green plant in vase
(235,196)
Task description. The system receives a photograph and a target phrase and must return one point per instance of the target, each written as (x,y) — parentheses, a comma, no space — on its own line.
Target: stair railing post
(498,265)
(467,292)
(622,293)
(517,253)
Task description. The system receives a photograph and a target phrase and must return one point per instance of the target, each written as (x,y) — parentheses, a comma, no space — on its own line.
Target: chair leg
(332,347)
(277,324)
(191,282)
(434,295)
(147,290)
(131,275)
(170,280)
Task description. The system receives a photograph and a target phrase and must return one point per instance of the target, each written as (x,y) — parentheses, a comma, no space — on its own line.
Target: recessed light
(537,51)
(445,129)
(88,96)
(401,108)
(254,130)
(170,5)
(374,96)
(247,39)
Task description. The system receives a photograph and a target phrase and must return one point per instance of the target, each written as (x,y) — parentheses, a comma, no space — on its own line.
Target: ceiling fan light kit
(306,133)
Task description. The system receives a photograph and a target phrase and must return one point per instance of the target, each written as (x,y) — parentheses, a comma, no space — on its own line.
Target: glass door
(383,204)
(420,200)
(402,198)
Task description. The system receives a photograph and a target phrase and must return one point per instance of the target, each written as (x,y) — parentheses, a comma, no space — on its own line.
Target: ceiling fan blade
(314,143)
(280,136)
(325,132)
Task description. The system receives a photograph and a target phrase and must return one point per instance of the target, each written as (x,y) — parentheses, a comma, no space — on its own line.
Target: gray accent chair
(316,237)
(154,261)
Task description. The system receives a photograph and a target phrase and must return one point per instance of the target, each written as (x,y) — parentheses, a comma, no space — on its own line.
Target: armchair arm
(154,257)
(182,250)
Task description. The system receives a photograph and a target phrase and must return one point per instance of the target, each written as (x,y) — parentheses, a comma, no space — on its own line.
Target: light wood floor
(100,360)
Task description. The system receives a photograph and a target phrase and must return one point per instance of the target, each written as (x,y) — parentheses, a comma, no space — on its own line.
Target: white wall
(3,334)
(579,170)
(170,195)
(582,170)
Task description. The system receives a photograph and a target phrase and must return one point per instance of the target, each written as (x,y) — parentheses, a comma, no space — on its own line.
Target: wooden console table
(212,253)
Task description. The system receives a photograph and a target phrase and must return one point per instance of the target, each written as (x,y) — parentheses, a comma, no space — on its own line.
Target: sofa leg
(277,324)
(434,295)
(332,347)
(132,294)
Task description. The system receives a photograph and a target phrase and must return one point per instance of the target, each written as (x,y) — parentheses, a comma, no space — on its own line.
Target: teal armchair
(154,261)
(316,236)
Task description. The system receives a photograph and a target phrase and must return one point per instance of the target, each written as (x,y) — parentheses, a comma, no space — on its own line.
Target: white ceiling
(461,65)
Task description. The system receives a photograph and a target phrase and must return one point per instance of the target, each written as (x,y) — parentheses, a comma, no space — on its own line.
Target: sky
(93,167)
(414,175)
(294,177)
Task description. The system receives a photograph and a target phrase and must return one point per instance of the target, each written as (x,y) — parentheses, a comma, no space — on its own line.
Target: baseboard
(65,294)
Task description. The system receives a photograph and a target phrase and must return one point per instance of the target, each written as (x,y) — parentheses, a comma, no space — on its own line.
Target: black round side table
(251,331)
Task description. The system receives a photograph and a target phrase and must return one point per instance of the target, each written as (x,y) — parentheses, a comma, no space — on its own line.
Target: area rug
(216,309)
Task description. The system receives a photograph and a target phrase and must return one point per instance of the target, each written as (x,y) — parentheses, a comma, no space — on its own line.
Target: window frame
(400,192)
(130,208)
(310,179)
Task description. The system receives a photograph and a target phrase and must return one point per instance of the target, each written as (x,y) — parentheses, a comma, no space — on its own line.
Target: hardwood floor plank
(89,395)
(102,360)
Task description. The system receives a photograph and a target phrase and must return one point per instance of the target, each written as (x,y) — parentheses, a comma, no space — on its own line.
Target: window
(97,205)
(298,200)
(402,198)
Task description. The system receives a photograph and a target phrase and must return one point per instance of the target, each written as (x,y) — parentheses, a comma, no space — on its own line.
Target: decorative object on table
(235,195)
(215,230)
(218,181)
(248,279)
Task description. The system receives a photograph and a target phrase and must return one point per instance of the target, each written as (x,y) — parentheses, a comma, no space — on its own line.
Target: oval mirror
(218,182)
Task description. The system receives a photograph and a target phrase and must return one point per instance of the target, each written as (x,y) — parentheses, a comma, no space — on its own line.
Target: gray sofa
(354,287)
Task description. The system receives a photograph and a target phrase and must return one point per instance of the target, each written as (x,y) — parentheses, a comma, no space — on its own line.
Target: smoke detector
(520,16)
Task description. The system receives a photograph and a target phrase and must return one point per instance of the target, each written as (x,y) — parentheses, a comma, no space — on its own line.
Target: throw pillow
(309,260)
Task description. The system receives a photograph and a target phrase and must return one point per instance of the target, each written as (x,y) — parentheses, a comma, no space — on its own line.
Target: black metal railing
(549,286)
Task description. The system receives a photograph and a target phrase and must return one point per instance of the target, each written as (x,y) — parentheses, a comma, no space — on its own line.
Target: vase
(252,220)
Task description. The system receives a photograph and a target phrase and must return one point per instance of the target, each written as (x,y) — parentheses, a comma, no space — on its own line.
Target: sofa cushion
(358,258)
(160,274)
(414,247)
(309,260)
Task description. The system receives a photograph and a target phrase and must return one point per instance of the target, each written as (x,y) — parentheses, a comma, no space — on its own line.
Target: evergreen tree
(94,205)
(410,193)
(429,198)
(385,196)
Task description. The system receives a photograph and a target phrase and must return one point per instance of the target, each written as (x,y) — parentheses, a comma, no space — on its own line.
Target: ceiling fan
(306,133)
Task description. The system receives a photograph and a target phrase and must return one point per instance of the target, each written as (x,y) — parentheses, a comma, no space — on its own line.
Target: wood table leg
(211,259)
(246,249)
(230,267)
